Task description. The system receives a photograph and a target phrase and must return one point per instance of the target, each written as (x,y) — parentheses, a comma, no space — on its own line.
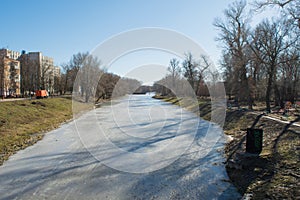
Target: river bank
(23,123)
(275,173)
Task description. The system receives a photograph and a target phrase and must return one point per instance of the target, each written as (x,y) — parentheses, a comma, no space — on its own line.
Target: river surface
(135,148)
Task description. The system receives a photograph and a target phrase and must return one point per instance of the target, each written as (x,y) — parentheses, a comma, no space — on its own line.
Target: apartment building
(38,72)
(56,71)
(9,73)
(24,73)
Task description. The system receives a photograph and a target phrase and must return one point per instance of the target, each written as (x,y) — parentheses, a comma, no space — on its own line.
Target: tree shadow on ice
(53,167)
(192,176)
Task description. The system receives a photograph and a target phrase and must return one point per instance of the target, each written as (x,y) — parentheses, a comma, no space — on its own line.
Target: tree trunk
(277,95)
(268,93)
(269,88)
(87,97)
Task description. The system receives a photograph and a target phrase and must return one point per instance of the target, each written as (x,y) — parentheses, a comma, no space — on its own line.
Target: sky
(61,28)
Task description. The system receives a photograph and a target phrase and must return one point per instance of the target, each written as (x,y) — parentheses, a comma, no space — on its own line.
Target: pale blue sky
(61,28)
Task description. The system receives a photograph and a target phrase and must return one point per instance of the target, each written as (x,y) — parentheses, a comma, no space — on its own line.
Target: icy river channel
(135,148)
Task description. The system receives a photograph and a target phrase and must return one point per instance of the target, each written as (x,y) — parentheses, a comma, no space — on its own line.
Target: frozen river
(135,148)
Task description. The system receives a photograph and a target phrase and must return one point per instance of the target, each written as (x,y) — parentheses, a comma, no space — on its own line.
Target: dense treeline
(260,63)
(84,76)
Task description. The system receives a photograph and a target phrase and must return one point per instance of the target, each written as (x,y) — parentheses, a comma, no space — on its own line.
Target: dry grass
(202,107)
(22,123)
(274,173)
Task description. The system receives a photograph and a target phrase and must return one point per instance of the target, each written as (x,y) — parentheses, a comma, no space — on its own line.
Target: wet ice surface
(162,151)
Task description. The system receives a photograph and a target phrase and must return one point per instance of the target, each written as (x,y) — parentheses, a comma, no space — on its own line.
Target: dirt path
(293,123)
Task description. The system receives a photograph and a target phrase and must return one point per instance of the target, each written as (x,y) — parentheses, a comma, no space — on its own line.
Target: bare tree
(2,76)
(89,76)
(107,85)
(71,69)
(190,69)
(13,76)
(174,70)
(228,74)
(45,70)
(289,8)
(235,34)
(64,78)
(202,67)
(269,43)
(288,76)
(58,84)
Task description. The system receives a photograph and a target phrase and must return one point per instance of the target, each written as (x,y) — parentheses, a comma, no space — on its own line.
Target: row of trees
(261,62)
(85,77)
(187,76)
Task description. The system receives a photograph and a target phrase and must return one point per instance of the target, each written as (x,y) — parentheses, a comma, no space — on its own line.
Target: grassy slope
(275,173)
(204,105)
(22,123)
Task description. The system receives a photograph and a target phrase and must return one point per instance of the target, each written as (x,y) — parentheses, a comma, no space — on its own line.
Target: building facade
(38,72)
(24,73)
(9,73)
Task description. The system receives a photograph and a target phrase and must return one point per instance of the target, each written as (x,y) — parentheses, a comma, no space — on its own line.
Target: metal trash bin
(254,140)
